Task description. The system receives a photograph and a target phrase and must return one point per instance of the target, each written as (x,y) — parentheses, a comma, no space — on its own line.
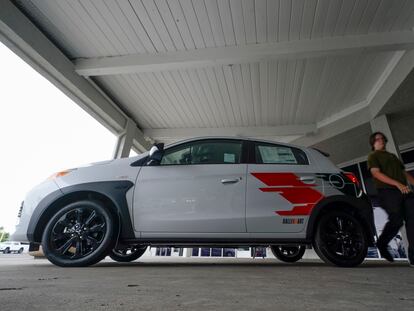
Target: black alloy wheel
(6,251)
(340,239)
(288,253)
(80,234)
(127,254)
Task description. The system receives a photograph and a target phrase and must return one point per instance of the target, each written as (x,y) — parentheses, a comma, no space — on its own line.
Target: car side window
(279,154)
(180,155)
(216,152)
(204,152)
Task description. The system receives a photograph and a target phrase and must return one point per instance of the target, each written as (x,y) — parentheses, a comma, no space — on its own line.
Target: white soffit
(179,65)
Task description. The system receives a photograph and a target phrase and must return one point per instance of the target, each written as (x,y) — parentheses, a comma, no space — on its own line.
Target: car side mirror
(155,154)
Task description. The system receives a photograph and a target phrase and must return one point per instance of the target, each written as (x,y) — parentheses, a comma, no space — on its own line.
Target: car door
(198,188)
(282,189)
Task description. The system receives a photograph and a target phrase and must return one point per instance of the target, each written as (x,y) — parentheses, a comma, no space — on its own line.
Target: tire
(127,255)
(20,250)
(80,234)
(340,239)
(288,253)
(6,251)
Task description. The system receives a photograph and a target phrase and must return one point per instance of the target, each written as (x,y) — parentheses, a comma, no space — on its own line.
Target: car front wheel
(80,234)
(340,239)
(288,253)
(128,254)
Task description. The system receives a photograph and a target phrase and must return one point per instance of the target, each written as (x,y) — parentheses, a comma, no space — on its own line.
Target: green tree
(4,236)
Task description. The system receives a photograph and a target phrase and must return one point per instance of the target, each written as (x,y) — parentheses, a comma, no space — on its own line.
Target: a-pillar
(381,124)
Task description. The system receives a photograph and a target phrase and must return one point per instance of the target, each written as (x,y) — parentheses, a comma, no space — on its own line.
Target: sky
(42,131)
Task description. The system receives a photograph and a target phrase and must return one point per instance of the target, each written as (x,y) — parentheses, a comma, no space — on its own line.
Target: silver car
(218,191)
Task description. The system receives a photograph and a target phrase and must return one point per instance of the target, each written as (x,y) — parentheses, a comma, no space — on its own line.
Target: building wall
(353,144)
(402,125)
(349,145)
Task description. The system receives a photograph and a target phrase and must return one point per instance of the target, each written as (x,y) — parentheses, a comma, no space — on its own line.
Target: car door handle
(230,181)
(307,179)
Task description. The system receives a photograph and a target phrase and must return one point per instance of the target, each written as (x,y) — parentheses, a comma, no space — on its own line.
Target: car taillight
(353,178)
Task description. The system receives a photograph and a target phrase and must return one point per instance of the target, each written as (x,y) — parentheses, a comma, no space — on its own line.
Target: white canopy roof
(290,70)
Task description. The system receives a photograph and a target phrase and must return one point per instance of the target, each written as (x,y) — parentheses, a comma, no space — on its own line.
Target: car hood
(111,170)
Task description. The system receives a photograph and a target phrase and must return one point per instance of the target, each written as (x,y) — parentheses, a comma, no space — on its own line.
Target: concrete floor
(204,284)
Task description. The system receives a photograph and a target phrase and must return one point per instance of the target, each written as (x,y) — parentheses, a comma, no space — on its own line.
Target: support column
(125,140)
(381,124)
(187,252)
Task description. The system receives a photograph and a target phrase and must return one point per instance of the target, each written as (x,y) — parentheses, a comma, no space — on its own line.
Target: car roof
(232,138)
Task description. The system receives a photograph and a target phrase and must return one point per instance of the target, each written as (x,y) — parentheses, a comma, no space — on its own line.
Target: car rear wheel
(6,251)
(340,239)
(288,253)
(80,234)
(128,254)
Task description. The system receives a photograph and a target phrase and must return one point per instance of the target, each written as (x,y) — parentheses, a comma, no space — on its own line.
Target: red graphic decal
(289,186)
(280,179)
(298,211)
(295,195)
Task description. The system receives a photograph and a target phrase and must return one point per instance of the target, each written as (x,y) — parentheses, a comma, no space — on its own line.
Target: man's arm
(376,173)
(410,178)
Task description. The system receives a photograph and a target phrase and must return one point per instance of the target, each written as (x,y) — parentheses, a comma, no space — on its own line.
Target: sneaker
(385,253)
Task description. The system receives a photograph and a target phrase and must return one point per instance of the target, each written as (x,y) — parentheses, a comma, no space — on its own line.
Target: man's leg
(409,225)
(392,202)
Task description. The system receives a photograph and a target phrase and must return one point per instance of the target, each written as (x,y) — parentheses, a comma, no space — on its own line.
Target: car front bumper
(33,198)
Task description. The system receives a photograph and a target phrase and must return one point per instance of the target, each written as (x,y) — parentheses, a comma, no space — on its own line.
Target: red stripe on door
(303,210)
(297,195)
(289,186)
(280,179)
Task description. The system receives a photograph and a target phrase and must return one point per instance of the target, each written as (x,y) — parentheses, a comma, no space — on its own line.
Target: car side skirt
(188,242)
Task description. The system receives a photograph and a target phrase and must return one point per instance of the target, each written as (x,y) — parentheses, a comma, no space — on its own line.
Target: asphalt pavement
(160,283)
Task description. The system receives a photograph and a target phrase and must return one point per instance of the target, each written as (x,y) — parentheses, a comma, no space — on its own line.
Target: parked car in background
(203,192)
(13,247)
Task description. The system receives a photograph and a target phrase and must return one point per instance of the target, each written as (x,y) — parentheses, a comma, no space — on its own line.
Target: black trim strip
(219,242)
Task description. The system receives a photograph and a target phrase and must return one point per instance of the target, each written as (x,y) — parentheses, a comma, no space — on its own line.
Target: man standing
(394,193)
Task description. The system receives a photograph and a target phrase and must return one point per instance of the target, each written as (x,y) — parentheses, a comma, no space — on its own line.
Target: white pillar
(381,124)
(125,140)
(187,252)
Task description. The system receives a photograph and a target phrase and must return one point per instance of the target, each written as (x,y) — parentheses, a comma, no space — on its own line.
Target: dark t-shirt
(389,164)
